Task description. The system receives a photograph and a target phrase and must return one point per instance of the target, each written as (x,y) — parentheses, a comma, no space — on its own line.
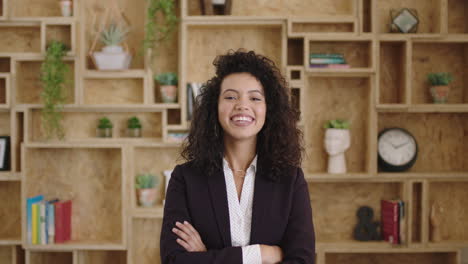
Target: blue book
(50,221)
(29,202)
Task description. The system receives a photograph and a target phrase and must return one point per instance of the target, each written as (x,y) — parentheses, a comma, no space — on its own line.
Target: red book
(63,221)
(389,219)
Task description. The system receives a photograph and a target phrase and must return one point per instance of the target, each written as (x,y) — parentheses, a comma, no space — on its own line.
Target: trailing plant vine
(53,79)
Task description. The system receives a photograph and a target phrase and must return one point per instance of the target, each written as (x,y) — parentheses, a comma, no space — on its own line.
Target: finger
(184,244)
(192,229)
(181,234)
(187,230)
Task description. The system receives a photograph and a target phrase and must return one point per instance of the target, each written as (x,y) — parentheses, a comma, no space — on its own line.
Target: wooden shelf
(76,245)
(10,176)
(96,74)
(352,72)
(156,212)
(10,242)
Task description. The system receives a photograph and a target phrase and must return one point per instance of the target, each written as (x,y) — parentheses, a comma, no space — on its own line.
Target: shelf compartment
(101,257)
(95,185)
(81,125)
(429,14)
(338,203)
(415,236)
(450,257)
(60,32)
(295,51)
(440,57)
(457,13)
(4,89)
(10,210)
(366,16)
(358,54)
(173,116)
(206,42)
(392,83)
(28,83)
(5,64)
(6,253)
(20,38)
(42,257)
(113,91)
(346,98)
(438,136)
(329,25)
(144,248)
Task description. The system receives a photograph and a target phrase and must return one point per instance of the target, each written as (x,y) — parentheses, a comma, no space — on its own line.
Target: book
(50,221)
(29,202)
(327,61)
(189,101)
(42,222)
(326,55)
(330,66)
(390,220)
(402,222)
(63,210)
(35,223)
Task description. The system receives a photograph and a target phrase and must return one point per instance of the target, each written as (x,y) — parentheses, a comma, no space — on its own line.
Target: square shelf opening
(19,139)
(3,90)
(5,64)
(457,13)
(144,248)
(94,185)
(60,33)
(366,16)
(440,57)
(114,91)
(416,213)
(384,258)
(296,98)
(438,136)
(295,75)
(338,202)
(102,257)
(392,89)
(429,13)
(43,257)
(320,27)
(10,210)
(173,116)
(20,39)
(29,86)
(295,51)
(357,54)
(344,98)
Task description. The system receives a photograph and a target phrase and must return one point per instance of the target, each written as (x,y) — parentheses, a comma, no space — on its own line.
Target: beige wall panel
(20,39)
(335,98)
(113,91)
(10,210)
(51,257)
(439,138)
(452,197)
(28,83)
(208,42)
(428,14)
(102,257)
(94,184)
(439,57)
(321,27)
(335,206)
(392,72)
(289,8)
(356,54)
(144,247)
(6,256)
(457,13)
(5,124)
(35,8)
(391,258)
(60,33)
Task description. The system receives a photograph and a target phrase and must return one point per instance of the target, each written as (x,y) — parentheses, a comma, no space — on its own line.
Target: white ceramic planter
(336,142)
(66,8)
(146,197)
(112,58)
(218,2)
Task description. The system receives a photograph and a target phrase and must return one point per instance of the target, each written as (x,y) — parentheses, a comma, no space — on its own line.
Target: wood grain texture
(144,247)
(51,257)
(438,136)
(428,14)
(5,124)
(10,210)
(101,257)
(20,39)
(113,91)
(457,13)
(356,53)
(6,256)
(336,204)
(322,27)
(5,64)
(94,184)
(335,98)
(286,8)
(440,57)
(392,72)
(390,258)
(60,33)
(29,87)
(207,42)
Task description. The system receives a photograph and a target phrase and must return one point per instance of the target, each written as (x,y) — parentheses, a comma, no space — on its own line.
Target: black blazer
(281,215)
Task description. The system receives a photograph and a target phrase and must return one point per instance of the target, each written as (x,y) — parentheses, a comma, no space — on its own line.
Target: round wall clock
(397,150)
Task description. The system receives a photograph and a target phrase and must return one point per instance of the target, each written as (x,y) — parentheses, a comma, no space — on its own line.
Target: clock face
(397,147)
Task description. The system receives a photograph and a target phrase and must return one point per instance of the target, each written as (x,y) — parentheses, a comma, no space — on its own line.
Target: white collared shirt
(240,214)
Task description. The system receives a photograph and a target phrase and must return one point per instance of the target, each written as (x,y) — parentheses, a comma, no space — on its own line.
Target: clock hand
(401,145)
(389,142)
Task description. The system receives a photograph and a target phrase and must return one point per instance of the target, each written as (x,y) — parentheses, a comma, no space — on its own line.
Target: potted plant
(112,56)
(337,141)
(66,7)
(168,86)
(53,79)
(146,189)
(134,127)
(439,86)
(104,128)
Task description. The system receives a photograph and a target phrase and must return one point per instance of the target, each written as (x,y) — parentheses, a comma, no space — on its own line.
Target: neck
(239,154)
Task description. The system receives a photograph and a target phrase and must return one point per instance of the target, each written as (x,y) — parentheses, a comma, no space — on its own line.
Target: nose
(242,104)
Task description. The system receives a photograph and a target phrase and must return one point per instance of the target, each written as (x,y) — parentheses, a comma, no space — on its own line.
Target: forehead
(241,82)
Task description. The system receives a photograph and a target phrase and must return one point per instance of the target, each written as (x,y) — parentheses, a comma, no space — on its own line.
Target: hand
(271,254)
(188,237)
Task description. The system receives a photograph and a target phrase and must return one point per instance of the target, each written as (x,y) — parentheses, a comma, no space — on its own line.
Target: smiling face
(241,107)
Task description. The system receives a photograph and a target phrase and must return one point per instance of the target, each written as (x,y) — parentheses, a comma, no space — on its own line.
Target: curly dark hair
(279,142)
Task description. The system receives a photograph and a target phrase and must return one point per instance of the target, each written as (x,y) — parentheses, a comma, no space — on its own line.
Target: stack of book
(48,222)
(328,61)
(193,90)
(393,221)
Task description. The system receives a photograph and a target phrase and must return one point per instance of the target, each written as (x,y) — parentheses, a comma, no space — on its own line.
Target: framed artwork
(4,153)
(404,20)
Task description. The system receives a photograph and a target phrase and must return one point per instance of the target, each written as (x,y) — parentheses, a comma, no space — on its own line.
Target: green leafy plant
(53,80)
(145,181)
(158,29)
(114,34)
(337,123)
(105,123)
(167,78)
(134,122)
(439,78)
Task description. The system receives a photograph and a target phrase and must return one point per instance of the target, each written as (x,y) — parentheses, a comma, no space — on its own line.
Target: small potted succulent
(337,141)
(104,128)
(134,127)
(168,86)
(66,6)
(439,86)
(145,185)
(113,56)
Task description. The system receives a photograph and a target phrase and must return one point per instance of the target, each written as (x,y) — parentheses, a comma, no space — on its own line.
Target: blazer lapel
(262,191)
(217,188)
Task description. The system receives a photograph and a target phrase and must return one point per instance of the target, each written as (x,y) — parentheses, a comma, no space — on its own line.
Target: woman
(241,196)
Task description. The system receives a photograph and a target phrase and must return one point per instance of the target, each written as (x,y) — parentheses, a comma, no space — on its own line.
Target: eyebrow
(251,91)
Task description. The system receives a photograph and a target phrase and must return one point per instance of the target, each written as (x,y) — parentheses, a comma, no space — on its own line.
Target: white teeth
(242,118)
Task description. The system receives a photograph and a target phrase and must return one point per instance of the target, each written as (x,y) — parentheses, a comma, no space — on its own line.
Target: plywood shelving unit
(384,87)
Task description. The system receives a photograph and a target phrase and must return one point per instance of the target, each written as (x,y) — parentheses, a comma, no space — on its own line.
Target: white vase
(112,49)
(66,8)
(112,58)
(218,2)
(336,142)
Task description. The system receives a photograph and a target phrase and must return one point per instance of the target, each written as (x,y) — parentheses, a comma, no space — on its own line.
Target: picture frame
(404,20)
(4,153)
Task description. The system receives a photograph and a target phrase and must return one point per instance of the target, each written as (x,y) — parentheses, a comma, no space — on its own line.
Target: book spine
(326,55)
(51,223)
(330,66)
(67,209)
(58,222)
(34,223)
(29,202)
(42,222)
(326,61)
